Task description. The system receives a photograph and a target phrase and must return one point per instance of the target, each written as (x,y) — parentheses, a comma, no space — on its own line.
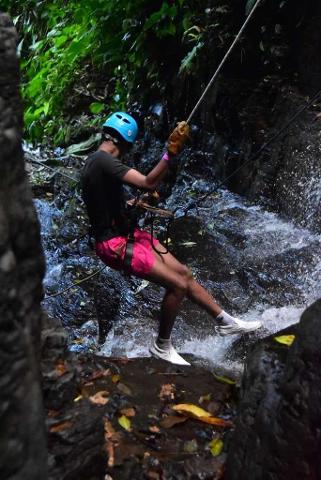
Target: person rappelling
(123,246)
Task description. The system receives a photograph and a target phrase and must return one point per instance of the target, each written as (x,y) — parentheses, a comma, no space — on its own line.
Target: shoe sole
(154,354)
(235,331)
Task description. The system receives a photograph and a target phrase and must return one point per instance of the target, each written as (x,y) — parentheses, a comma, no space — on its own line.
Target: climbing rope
(76,283)
(315,98)
(55,170)
(223,61)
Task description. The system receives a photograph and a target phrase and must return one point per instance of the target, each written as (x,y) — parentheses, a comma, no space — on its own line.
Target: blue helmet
(124,124)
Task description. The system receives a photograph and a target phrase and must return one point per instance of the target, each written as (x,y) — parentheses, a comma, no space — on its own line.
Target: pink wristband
(165,157)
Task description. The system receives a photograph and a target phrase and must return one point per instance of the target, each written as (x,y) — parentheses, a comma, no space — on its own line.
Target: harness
(153,213)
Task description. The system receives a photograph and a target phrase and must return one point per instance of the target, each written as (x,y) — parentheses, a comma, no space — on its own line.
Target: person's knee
(187,273)
(181,285)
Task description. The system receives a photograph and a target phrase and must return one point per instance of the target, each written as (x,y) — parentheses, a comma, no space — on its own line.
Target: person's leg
(195,292)
(176,286)
(199,295)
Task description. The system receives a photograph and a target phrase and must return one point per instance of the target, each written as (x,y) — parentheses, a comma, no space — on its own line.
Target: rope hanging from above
(217,71)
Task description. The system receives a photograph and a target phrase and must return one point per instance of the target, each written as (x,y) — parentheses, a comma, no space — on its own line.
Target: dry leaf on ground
(100,398)
(285,339)
(216,447)
(193,411)
(171,420)
(167,392)
(223,379)
(154,429)
(60,427)
(115,378)
(61,368)
(125,423)
(124,389)
(129,412)
(98,374)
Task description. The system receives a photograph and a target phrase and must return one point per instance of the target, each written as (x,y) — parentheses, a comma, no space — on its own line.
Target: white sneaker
(238,326)
(169,355)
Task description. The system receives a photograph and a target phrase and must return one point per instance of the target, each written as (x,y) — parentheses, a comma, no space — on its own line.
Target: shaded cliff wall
(271,73)
(22,437)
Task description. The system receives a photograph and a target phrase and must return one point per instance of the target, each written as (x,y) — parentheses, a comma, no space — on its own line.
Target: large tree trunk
(22,434)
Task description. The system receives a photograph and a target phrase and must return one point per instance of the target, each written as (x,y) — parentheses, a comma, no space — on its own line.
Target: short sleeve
(111,165)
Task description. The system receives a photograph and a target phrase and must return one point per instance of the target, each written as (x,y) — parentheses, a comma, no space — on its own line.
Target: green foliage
(65,46)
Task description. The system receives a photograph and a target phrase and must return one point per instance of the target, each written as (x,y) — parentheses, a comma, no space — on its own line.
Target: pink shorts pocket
(112,253)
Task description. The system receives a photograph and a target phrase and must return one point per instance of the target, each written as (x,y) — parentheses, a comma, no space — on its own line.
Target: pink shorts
(112,253)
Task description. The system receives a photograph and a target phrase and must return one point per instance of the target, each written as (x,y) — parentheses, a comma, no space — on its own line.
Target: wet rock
(276,434)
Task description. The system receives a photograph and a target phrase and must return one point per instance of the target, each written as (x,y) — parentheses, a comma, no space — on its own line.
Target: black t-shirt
(103,194)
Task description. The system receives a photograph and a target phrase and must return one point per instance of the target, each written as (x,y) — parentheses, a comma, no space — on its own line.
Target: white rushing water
(264,235)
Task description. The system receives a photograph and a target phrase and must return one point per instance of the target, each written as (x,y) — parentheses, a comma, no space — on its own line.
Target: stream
(257,264)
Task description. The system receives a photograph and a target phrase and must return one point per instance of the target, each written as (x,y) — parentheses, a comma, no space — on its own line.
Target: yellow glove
(177,138)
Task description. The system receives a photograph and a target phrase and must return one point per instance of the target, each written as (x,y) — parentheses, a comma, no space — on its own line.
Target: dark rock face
(22,444)
(287,174)
(277,434)
(271,73)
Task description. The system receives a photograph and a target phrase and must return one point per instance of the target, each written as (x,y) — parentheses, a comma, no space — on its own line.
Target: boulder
(277,433)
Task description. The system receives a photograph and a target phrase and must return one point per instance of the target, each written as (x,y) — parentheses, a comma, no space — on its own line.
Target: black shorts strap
(129,252)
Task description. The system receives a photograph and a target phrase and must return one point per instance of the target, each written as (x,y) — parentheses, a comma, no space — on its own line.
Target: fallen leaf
(115,378)
(191,446)
(171,420)
(61,368)
(188,244)
(191,410)
(154,429)
(223,379)
(60,427)
(129,412)
(100,398)
(124,389)
(52,413)
(109,435)
(99,374)
(125,422)
(216,447)
(205,398)
(141,287)
(219,422)
(153,475)
(285,339)
(167,392)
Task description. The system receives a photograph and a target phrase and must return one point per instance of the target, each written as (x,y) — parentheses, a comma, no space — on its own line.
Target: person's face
(114,149)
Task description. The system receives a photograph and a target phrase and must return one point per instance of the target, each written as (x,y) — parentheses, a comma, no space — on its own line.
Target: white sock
(225,318)
(163,343)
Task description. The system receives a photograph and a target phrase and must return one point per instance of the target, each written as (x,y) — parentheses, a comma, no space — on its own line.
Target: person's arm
(149,181)
(176,141)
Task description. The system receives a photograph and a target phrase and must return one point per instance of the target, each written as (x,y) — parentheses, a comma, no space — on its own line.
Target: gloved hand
(152,198)
(177,138)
